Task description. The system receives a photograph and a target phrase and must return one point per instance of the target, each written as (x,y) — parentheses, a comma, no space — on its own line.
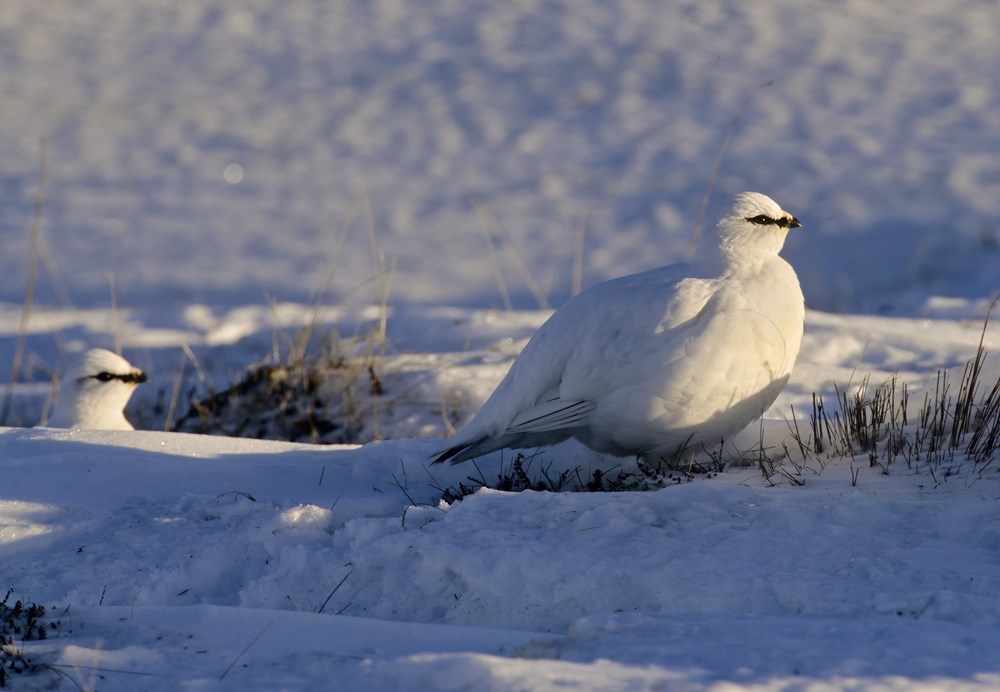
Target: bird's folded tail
(546,423)
(550,416)
(456,455)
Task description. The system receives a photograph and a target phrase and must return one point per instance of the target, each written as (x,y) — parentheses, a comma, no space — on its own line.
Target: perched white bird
(655,364)
(94,392)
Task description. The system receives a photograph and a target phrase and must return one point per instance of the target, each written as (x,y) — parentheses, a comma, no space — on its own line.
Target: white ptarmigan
(671,360)
(95,391)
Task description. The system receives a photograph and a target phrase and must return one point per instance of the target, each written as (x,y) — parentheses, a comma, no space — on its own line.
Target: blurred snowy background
(213,152)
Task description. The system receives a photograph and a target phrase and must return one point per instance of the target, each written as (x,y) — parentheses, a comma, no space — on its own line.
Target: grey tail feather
(459,453)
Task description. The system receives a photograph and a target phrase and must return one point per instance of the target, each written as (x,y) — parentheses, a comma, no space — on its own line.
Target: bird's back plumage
(657,362)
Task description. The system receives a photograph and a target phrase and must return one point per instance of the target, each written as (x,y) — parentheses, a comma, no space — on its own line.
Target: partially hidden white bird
(668,361)
(95,391)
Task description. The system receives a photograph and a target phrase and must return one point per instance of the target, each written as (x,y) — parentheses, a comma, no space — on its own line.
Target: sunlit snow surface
(203,161)
(169,570)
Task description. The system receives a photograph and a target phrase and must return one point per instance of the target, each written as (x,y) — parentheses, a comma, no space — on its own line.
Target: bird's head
(95,391)
(753,227)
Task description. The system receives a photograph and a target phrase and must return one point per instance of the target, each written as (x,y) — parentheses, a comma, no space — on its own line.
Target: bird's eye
(104,377)
(761,219)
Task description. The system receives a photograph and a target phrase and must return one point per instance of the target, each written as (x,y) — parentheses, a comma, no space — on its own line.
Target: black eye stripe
(764,220)
(129,377)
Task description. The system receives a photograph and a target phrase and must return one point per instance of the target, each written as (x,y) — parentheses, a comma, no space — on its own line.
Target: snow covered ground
(215,166)
(202,562)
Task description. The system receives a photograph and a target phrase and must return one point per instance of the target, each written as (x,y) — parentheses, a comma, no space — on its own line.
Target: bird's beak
(795,223)
(136,378)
